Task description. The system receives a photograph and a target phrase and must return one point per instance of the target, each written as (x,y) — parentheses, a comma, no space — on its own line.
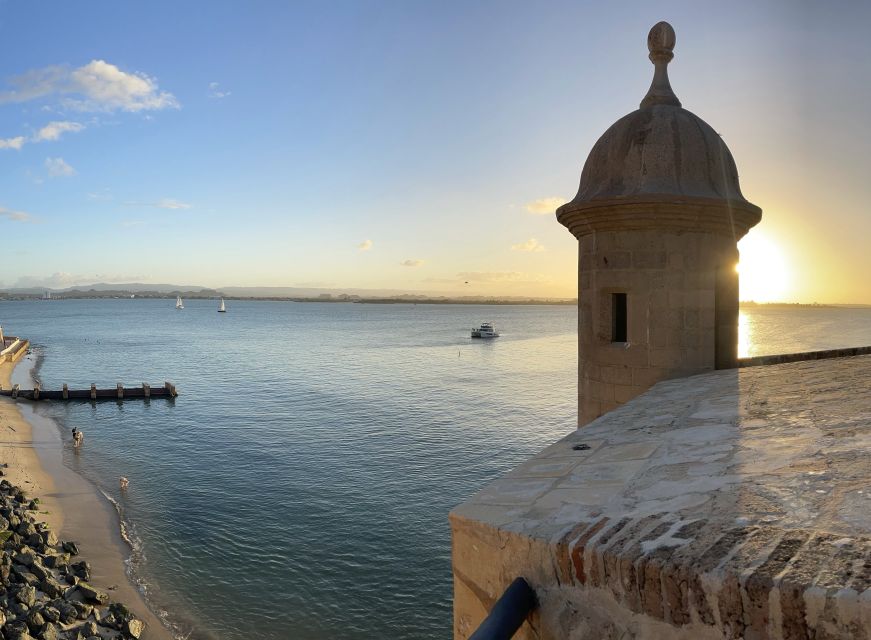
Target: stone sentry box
(657,216)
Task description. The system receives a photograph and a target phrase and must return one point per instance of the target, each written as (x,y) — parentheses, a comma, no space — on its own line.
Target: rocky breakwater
(44,590)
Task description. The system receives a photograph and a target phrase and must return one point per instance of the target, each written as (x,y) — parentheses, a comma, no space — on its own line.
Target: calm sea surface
(299,486)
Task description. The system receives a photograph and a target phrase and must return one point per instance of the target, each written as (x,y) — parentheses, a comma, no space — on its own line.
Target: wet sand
(74,509)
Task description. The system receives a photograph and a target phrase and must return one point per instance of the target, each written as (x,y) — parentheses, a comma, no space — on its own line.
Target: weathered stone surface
(724,505)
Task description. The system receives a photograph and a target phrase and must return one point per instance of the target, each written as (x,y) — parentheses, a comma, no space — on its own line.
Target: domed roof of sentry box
(661,149)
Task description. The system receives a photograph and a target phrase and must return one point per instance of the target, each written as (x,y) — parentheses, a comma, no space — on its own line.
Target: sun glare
(764,273)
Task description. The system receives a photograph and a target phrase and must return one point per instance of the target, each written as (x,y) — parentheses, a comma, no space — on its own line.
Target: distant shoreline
(196,295)
(211,294)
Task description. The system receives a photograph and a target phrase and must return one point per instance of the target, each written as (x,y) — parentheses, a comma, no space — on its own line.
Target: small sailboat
(221,307)
(178,303)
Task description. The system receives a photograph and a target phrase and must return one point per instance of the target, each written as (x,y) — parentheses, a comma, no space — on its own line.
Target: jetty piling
(119,393)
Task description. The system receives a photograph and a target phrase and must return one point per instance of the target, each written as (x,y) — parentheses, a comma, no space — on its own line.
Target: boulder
(35,541)
(67,611)
(39,571)
(13,629)
(83,610)
(51,587)
(109,620)
(134,627)
(49,632)
(120,611)
(55,560)
(51,614)
(81,569)
(24,576)
(92,594)
(20,634)
(35,621)
(25,595)
(25,556)
(71,548)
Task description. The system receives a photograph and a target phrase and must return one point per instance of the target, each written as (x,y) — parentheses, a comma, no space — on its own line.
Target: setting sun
(763,269)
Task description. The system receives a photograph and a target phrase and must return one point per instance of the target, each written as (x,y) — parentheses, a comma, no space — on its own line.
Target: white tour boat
(178,303)
(486,330)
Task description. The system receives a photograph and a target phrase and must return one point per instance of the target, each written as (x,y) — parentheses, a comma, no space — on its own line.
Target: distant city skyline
(407,146)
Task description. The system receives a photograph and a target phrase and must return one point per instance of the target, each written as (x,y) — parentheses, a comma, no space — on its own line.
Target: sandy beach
(32,448)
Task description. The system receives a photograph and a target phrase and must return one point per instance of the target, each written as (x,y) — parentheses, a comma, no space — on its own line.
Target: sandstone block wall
(682,312)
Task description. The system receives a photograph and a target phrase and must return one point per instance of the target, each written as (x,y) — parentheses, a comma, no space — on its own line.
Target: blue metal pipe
(508,614)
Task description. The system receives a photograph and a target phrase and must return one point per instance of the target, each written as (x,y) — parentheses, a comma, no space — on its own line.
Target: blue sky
(402,145)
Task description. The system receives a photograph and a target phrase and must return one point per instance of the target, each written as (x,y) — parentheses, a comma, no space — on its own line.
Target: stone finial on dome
(660,43)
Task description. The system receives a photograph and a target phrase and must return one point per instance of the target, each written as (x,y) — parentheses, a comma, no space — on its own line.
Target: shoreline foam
(32,446)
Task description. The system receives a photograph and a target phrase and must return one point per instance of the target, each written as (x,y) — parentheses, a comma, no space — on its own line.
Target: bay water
(299,485)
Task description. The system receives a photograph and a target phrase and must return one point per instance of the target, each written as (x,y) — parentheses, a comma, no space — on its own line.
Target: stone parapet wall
(733,504)
(13,349)
(784,358)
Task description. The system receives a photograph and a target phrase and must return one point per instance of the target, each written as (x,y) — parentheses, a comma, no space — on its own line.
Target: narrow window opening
(618,317)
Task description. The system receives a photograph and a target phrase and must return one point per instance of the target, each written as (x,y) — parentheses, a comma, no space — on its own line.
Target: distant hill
(309,292)
(130,287)
(301,294)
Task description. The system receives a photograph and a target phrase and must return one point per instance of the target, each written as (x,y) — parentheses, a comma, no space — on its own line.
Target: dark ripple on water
(300,485)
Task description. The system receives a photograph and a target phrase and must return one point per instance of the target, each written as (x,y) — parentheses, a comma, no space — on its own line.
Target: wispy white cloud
(12,143)
(103,195)
(171,203)
(50,132)
(544,206)
(411,263)
(132,223)
(15,216)
(163,203)
(216,92)
(514,277)
(365,245)
(58,167)
(54,130)
(96,86)
(530,246)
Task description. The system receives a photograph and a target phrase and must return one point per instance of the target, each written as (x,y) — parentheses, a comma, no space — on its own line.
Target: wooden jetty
(119,393)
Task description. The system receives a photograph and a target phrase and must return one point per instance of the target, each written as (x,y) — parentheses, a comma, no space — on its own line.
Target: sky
(408,144)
